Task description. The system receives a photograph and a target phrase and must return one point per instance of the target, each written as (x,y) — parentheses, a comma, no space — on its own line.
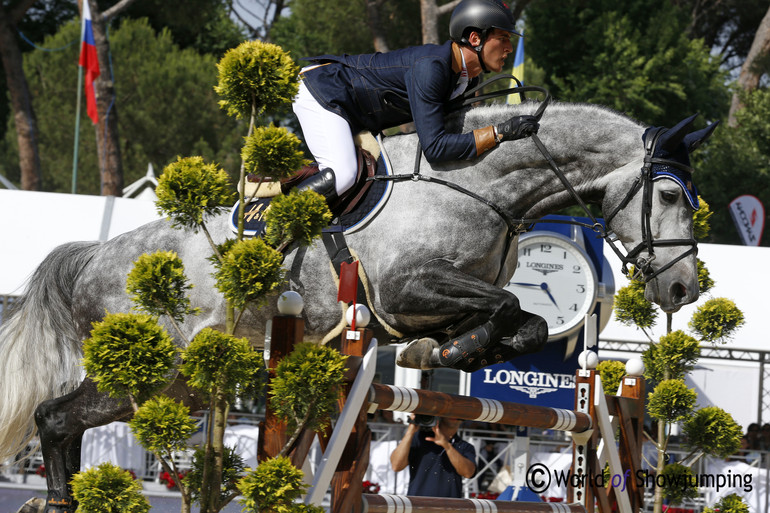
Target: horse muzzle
(672,294)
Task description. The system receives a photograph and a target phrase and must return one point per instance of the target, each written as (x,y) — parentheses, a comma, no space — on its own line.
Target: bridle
(643,269)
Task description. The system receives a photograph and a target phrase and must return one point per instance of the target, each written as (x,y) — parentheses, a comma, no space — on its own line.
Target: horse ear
(670,140)
(693,140)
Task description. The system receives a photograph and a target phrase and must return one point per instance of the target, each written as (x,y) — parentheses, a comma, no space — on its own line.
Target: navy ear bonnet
(679,155)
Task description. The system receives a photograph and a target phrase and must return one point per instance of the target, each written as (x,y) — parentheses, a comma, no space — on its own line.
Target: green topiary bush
(632,309)
(272,152)
(162,425)
(307,385)
(215,359)
(714,431)
(129,354)
(671,401)
(256,74)
(297,217)
(158,285)
(675,353)
(611,372)
(716,320)
(273,487)
(249,272)
(189,191)
(108,489)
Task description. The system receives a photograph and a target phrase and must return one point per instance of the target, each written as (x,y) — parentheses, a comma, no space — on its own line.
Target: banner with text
(543,379)
(749,217)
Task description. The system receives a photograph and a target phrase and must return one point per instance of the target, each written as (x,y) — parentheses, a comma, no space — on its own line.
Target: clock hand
(526,284)
(544,286)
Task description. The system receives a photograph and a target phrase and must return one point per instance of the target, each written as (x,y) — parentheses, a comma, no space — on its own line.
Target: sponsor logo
(529,382)
(544,268)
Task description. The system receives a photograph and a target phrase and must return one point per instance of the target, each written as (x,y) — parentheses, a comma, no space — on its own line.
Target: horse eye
(669,196)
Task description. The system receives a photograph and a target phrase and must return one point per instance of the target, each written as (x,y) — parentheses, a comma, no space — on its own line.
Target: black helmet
(482,15)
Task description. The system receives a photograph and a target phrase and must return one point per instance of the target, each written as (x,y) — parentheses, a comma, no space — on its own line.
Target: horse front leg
(438,288)
(61,423)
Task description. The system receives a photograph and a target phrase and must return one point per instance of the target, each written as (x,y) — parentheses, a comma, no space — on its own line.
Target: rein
(643,265)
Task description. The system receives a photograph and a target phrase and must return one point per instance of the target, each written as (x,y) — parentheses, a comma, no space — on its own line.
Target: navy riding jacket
(370,90)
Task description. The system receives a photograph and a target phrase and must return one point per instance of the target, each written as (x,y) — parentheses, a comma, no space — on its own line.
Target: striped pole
(402,504)
(424,402)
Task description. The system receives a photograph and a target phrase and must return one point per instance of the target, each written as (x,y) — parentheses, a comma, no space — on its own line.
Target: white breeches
(329,138)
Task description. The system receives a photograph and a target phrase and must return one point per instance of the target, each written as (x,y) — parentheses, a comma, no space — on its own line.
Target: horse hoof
(36,505)
(531,337)
(421,353)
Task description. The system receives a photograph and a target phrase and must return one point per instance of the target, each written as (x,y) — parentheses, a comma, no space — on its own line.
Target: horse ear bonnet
(674,144)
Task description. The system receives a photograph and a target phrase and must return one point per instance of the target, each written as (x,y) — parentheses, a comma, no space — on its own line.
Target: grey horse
(434,261)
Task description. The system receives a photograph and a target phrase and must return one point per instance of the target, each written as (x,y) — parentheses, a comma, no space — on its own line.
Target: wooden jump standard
(400,504)
(425,402)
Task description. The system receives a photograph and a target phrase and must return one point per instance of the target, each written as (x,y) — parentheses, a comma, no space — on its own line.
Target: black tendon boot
(463,351)
(323,183)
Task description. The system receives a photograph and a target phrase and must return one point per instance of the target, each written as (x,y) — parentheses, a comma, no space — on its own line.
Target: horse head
(653,219)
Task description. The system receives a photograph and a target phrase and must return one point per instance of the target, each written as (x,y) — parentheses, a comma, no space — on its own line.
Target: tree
(737,161)
(754,66)
(326,26)
(204,25)
(156,80)
(636,58)
(25,120)
(727,26)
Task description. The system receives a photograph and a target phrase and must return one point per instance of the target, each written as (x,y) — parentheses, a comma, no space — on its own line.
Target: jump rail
(400,504)
(425,402)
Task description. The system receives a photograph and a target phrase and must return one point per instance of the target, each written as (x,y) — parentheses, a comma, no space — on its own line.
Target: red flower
(370,487)
(40,470)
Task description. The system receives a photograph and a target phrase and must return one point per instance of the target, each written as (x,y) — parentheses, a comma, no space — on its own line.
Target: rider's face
(496,48)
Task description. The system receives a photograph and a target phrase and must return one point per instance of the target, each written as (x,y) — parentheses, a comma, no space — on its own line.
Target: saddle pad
(253,218)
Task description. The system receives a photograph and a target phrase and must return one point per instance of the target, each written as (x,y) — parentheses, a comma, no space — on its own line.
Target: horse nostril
(678,293)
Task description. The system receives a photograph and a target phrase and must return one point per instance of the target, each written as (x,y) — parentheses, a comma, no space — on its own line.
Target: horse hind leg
(61,423)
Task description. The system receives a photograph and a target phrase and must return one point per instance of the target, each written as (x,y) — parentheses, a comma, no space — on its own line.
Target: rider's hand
(517,127)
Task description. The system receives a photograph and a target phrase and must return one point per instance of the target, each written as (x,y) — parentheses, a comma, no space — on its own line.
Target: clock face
(555,279)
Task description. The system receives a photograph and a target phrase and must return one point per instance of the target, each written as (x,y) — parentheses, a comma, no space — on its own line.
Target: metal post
(77,132)
(761,387)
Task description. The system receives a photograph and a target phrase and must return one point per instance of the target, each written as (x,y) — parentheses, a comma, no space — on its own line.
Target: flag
(748,214)
(518,69)
(89,61)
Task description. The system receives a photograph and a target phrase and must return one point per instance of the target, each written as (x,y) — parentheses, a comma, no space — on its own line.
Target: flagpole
(77,132)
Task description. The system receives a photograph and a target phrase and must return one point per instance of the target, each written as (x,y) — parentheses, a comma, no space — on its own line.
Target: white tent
(33,223)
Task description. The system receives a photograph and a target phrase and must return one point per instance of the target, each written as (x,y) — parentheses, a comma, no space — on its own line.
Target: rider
(340,96)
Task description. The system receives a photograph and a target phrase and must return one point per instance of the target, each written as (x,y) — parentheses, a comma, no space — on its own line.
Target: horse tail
(40,350)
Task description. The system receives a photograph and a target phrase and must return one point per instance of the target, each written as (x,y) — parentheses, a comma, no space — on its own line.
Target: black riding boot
(323,183)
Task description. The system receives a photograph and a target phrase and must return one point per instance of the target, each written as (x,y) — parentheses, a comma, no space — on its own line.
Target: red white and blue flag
(89,62)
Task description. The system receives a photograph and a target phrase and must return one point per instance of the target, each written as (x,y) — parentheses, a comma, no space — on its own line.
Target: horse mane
(474,117)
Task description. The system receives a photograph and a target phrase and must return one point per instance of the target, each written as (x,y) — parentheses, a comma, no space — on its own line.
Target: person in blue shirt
(340,96)
(438,459)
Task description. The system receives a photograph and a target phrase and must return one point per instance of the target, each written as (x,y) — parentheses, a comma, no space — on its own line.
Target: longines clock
(555,279)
